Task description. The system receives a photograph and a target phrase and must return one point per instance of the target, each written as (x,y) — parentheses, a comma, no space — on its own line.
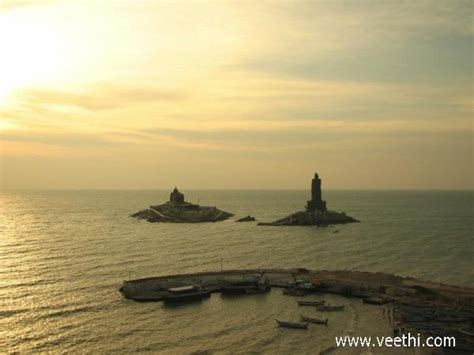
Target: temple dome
(176,196)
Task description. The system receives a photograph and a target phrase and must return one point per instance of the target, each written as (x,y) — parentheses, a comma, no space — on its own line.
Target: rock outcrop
(177,210)
(248,218)
(304,218)
(316,212)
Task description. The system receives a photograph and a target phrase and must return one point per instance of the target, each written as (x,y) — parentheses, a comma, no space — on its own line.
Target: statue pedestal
(313,206)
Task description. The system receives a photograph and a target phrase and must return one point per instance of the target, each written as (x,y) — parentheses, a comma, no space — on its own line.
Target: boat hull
(292,324)
(314,320)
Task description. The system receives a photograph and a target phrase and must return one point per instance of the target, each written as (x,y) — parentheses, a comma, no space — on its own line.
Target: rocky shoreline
(176,210)
(186,213)
(304,218)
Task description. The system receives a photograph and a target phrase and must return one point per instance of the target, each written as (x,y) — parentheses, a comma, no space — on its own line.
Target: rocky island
(316,212)
(248,218)
(177,210)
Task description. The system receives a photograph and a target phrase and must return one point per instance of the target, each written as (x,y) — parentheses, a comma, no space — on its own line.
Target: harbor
(409,305)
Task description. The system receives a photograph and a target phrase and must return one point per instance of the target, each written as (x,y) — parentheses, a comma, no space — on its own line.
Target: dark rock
(143,214)
(316,212)
(304,218)
(246,219)
(176,210)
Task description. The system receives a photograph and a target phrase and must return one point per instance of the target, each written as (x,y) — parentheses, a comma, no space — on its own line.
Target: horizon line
(241,189)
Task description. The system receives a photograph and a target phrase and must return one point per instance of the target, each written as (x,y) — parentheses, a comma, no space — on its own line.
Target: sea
(64,255)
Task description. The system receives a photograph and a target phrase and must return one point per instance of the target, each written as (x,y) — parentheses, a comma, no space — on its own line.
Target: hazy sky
(243,94)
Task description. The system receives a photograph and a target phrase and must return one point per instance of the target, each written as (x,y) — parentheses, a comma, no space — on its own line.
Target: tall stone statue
(316,203)
(316,213)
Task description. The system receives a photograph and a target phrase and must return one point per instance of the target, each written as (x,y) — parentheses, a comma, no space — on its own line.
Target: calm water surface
(63,255)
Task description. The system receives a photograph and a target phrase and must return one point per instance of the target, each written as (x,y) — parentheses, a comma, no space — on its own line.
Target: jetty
(177,210)
(316,212)
(410,305)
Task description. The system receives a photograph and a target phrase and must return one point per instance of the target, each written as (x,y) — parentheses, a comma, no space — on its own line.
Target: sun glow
(4,125)
(30,52)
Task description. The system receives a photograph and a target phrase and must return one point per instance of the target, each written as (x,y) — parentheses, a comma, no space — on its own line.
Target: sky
(240,95)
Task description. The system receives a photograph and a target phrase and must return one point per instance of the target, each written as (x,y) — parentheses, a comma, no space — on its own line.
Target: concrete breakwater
(346,283)
(155,288)
(411,305)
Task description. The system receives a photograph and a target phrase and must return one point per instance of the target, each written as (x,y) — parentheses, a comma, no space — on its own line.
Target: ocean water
(64,254)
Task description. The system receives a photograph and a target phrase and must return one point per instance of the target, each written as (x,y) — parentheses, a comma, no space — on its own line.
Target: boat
(185,293)
(301,284)
(311,303)
(329,308)
(314,320)
(294,325)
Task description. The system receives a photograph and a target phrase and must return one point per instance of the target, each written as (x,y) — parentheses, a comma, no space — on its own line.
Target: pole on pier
(221,264)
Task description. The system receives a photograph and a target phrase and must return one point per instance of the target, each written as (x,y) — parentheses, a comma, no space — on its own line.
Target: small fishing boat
(329,308)
(314,320)
(311,303)
(185,293)
(293,325)
(302,285)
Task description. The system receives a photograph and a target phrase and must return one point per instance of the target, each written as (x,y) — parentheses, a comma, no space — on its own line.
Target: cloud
(445,59)
(286,129)
(423,41)
(230,136)
(12,4)
(58,138)
(96,98)
(281,85)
